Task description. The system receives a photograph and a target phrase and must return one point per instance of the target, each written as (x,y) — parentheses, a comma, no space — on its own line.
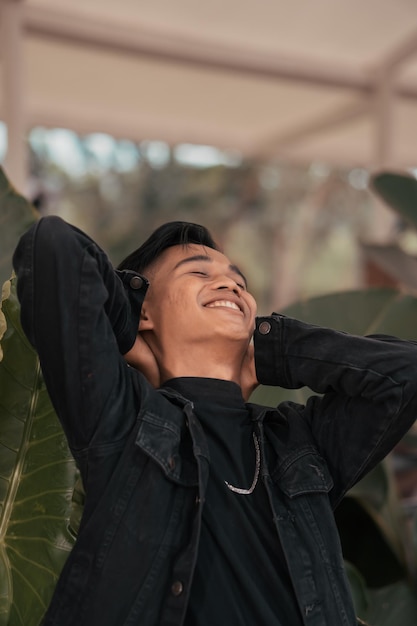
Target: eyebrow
(207,259)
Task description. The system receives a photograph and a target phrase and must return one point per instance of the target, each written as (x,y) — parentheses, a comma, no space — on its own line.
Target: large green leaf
(413,533)
(37,474)
(381,545)
(399,191)
(391,605)
(399,265)
(3,323)
(394,605)
(362,312)
(372,540)
(16,215)
(358,589)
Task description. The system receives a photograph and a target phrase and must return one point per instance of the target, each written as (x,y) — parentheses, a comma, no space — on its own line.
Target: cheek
(172,308)
(176,300)
(252,305)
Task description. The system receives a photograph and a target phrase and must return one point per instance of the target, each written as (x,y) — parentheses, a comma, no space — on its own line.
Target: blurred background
(265,121)
(262,120)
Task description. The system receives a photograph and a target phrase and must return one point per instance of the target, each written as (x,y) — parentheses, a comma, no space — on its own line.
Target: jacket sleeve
(81,317)
(368,387)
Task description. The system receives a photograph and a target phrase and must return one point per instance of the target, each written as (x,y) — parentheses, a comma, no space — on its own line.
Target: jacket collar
(170,434)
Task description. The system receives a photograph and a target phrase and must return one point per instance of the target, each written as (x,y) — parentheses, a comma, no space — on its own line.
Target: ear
(145,322)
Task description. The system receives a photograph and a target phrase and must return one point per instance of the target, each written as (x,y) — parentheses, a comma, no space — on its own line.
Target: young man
(201,509)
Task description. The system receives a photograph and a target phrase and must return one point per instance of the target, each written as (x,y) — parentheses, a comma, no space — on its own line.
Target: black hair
(166,236)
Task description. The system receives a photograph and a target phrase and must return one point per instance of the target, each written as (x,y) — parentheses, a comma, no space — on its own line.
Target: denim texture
(143,455)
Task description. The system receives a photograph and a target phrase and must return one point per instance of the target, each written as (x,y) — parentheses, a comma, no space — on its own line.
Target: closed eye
(206,275)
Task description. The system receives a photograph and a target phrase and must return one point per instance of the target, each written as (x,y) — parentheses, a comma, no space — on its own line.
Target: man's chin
(234,333)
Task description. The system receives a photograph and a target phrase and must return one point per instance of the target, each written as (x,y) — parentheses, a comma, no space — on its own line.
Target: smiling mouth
(223,304)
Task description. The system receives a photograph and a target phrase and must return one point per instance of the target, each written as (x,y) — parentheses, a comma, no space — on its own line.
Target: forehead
(181,255)
(175,254)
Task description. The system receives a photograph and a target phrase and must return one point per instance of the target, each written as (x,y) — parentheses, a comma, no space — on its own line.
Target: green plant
(37,472)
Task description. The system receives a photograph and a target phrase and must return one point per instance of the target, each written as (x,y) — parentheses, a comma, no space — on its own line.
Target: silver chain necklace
(246,492)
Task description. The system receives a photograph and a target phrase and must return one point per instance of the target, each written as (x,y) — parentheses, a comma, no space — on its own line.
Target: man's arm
(369,387)
(77,313)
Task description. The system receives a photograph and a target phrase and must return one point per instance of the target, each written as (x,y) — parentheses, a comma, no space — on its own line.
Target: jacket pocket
(170,447)
(303,473)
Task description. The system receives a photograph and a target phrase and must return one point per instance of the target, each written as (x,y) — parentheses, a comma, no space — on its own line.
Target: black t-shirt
(241,577)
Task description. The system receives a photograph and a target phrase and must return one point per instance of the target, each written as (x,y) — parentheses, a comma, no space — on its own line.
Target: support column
(12,40)
(384,224)
(384,117)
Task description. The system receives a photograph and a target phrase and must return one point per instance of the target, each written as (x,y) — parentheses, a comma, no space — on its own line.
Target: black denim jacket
(144,458)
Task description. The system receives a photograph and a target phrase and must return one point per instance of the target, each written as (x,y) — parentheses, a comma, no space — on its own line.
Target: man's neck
(202,364)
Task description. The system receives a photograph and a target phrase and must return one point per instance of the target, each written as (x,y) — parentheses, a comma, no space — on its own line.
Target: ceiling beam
(271,145)
(383,81)
(188,48)
(398,55)
(14,91)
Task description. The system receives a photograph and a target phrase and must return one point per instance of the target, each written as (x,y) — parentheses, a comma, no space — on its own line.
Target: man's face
(196,295)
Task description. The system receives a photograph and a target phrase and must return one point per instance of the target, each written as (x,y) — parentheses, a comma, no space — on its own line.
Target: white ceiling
(293,80)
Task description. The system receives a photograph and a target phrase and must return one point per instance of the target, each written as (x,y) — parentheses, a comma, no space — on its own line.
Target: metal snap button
(136,282)
(264,328)
(177,588)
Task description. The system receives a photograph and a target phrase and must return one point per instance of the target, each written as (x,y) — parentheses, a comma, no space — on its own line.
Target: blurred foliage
(37,469)
(399,191)
(16,215)
(37,478)
(293,229)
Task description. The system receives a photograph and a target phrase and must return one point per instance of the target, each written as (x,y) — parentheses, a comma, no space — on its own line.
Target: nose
(230,285)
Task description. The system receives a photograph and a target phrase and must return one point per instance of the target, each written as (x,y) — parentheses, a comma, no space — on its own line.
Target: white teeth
(225,303)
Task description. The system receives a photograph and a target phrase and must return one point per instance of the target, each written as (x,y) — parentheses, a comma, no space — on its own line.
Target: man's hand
(141,357)
(248,380)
